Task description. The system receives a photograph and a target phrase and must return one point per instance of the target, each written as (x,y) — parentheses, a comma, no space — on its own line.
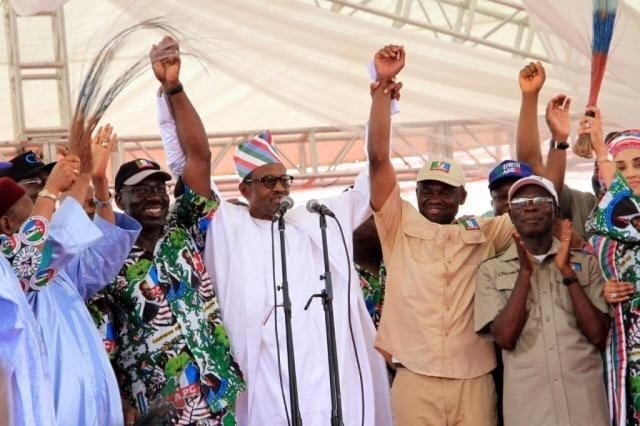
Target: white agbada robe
(238,257)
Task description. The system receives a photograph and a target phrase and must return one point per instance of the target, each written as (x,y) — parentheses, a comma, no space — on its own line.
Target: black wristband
(174,90)
(570,280)
(563,145)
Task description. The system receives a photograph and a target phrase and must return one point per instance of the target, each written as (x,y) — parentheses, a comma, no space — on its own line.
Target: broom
(604,16)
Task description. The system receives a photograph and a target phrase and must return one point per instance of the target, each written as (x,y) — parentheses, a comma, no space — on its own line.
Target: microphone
(314,206)
(286,203)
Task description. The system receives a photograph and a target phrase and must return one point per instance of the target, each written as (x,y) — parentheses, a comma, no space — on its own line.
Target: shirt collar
(512,252)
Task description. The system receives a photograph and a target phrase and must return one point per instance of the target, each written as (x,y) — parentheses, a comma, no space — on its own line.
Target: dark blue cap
(509,169)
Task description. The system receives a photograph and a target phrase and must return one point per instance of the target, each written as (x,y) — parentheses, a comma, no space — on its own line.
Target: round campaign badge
(34,231)
(42,278)
(9,245)
(26,262)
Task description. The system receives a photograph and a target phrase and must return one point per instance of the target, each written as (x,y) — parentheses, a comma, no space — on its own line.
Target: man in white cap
(426,328)
(543,304)
(239,257)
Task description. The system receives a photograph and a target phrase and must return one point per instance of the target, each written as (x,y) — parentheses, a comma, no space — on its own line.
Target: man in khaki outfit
(543,305)
(427,321)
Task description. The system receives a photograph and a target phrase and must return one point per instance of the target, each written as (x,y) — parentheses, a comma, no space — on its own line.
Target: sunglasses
(269,181)
(520,203)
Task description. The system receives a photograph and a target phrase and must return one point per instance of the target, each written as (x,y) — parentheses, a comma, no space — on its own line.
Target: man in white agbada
(239,257)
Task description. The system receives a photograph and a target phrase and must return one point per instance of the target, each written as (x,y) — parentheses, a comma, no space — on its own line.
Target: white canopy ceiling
(288,64)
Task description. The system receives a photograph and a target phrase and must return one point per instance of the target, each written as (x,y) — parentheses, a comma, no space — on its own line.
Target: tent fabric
(31,7)
(289,64)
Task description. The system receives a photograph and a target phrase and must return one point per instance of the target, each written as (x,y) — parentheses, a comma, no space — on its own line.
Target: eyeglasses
(270,181)
(143,191)
(520,203)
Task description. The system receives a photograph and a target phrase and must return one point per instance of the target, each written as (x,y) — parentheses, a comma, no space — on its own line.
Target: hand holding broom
(604,16)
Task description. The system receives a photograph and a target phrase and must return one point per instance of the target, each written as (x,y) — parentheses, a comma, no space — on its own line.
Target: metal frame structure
(485,23)
(54,68)
(321,156)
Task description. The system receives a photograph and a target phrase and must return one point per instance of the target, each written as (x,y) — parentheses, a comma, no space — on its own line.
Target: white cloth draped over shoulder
(238,257)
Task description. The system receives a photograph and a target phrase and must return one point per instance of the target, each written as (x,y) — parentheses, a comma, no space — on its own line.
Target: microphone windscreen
(286,202)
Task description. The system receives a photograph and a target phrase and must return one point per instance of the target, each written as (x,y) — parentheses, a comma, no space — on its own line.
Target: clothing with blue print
(84,384)
(171,344)
(27,394)
(615,224)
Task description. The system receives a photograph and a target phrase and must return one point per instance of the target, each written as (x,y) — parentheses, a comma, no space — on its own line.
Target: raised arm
(531,79)
(104,142)
(559,123)
(165,59)
(388,62)
(593,127)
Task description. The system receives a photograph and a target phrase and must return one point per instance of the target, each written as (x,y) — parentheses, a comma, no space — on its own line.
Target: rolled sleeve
(499,232)
(488,301)
(389,218)
(97,266)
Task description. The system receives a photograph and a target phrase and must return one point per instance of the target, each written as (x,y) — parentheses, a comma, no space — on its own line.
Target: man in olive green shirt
(543,305)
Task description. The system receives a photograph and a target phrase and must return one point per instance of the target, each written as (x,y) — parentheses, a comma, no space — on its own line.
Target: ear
(5,225)
(463,196)
(244,190)
(119,202)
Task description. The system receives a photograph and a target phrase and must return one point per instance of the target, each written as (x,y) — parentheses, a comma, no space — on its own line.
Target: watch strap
(563,145)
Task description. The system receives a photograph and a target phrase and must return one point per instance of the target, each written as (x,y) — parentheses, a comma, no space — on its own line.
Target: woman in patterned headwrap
(616,225)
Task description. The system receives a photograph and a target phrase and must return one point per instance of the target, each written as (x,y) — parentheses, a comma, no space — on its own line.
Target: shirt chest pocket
(506,283)
(421,243)
(562,296)
(472,248)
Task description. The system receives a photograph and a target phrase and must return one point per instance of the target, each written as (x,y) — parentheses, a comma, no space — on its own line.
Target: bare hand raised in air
(165,60)
(389,61)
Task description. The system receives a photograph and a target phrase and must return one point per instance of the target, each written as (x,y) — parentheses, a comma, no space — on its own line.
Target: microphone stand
(327,302)
(296,418)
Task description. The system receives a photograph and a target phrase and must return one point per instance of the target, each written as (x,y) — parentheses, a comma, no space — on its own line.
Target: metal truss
(320,156)
(324,156)
(501,25)
(52,68)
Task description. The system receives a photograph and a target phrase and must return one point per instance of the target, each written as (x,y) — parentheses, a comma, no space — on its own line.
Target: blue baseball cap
(508,169)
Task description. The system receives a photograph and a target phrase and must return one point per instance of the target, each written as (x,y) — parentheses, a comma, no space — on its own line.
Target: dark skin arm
(165,59)
(531,79)
(593,323)
(507,326)
(388,62)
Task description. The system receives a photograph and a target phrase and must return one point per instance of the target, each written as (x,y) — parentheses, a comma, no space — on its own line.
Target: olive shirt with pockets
(427,321)
(554,375)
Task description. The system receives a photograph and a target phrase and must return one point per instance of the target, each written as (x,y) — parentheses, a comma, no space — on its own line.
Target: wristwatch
(174,90)
(101,204)
(45,193)
(570,280)
(563,145)
(604,159)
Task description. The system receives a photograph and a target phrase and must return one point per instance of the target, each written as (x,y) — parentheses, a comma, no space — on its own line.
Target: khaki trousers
(418,400)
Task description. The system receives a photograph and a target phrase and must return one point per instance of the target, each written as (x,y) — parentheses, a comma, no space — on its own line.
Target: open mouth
(153,211)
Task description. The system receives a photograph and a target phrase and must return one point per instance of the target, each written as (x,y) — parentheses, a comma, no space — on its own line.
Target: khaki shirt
(554,375)
(427,320)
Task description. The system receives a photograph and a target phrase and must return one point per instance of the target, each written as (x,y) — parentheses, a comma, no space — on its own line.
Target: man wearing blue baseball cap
(501,178)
